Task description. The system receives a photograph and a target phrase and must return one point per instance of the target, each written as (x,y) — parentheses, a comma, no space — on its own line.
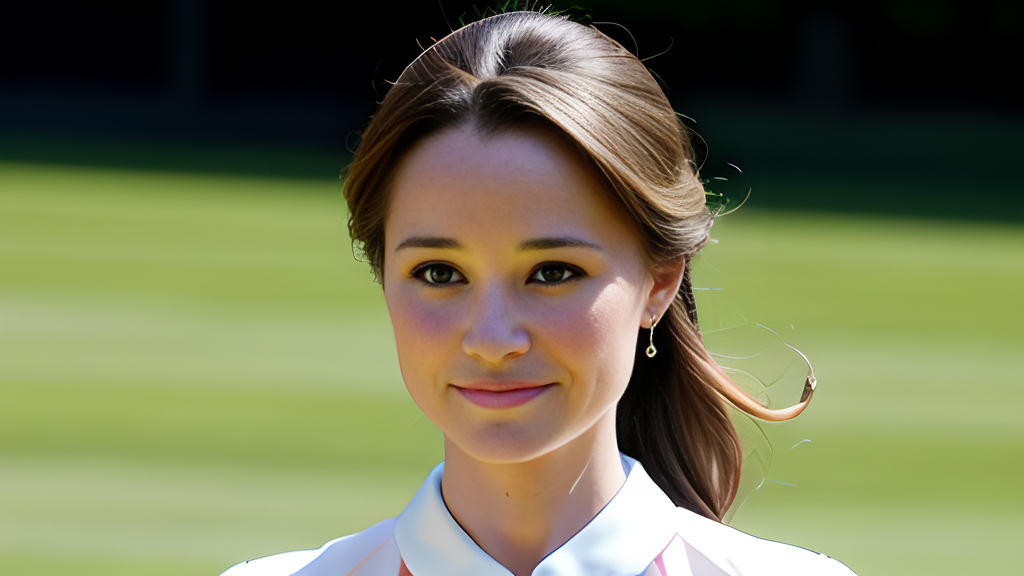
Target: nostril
(494,344)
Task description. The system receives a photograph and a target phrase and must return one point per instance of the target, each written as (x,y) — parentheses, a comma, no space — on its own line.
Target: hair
(528,68)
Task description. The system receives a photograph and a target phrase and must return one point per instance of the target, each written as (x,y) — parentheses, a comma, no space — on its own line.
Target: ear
(667,278)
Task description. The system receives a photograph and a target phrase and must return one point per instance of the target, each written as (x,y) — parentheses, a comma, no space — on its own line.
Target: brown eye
(553,273)
(438,274)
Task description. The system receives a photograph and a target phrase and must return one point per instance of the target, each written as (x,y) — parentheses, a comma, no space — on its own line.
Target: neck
(520,512)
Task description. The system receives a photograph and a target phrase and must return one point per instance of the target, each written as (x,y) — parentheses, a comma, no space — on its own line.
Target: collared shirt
(640,532)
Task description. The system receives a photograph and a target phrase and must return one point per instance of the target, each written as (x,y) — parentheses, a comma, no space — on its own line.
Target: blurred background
(194,370)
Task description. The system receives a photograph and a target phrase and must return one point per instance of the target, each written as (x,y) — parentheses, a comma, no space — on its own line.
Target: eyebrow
(556,242)
(551,243)
(429,242)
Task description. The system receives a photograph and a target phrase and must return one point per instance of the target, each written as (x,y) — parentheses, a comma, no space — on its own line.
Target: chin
(505,442)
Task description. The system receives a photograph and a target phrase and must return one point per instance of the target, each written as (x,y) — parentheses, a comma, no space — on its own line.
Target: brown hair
(527,67)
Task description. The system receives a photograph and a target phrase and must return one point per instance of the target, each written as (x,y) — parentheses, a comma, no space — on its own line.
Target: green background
(194,371)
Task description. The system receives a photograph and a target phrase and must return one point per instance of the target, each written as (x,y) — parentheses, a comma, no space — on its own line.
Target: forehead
(513,185)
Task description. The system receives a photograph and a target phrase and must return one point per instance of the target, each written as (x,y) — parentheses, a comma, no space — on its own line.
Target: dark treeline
(901,89)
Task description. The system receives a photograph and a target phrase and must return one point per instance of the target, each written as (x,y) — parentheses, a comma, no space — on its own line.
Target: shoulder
(340,556)
(736,551)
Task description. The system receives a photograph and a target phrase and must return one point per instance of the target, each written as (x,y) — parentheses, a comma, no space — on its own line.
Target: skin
(506,261)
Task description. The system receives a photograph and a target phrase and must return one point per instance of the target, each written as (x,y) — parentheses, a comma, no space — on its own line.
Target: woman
(528,200)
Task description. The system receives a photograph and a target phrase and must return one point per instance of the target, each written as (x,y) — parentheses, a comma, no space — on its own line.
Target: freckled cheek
(423,329)
(593,336)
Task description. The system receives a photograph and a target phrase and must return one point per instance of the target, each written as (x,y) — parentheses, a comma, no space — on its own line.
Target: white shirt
(639,533)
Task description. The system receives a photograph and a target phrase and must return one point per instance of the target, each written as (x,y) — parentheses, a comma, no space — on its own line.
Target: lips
(501,395)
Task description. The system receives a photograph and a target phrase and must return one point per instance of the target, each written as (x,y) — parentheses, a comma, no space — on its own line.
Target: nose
(495,332)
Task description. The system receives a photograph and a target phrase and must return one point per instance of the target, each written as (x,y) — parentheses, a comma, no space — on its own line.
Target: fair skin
(516,288)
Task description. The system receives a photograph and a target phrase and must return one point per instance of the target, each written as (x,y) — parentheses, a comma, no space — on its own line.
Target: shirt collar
(623,539)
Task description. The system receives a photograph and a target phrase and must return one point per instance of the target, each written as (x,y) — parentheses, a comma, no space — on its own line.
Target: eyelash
(576,272)
(420,272)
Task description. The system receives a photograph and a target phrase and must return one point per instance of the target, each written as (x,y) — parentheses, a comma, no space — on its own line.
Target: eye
(438,274)
(555,273)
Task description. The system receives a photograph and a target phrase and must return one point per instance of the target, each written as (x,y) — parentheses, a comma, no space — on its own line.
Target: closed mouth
(502,395)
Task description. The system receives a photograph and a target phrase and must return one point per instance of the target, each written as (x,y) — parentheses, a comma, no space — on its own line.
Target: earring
(651,350)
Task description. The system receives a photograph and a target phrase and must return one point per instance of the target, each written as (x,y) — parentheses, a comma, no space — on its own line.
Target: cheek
(596,337)
(422,330)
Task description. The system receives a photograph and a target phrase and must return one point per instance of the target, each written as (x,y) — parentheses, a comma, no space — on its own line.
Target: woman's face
(515,290)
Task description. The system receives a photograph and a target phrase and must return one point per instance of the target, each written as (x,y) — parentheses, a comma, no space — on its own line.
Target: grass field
(194,371)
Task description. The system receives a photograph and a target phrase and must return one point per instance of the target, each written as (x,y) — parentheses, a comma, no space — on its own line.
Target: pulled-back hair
(521,68)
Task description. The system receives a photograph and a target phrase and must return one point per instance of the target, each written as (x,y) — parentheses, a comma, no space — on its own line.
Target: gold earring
(651,350)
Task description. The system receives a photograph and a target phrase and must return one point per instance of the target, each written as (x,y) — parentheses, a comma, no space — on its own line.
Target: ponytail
(674,415)
(672,421)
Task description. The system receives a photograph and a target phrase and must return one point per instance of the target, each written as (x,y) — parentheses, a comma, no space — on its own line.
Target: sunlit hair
(528,68)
